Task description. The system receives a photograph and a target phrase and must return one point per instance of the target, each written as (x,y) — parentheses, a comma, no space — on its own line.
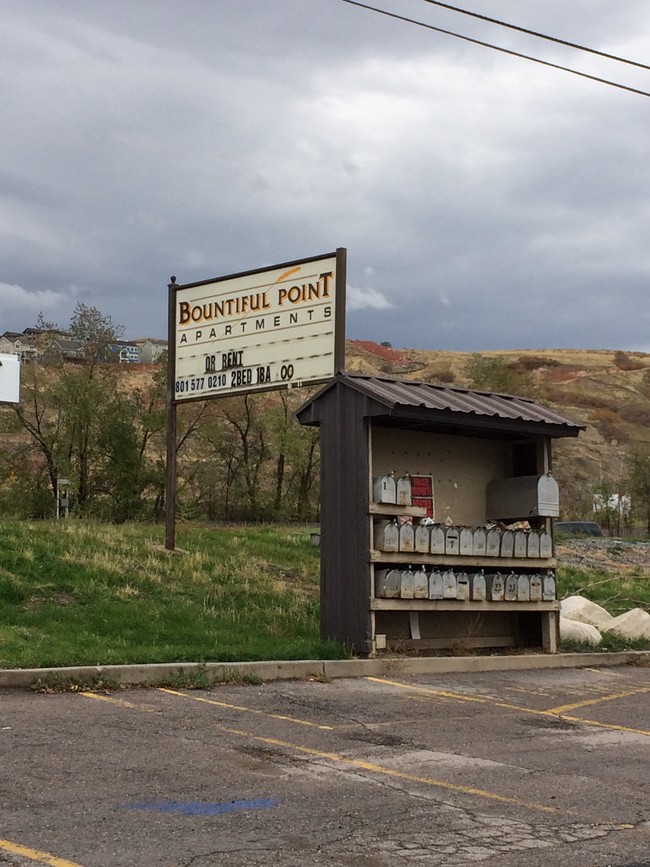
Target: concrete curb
(233,672)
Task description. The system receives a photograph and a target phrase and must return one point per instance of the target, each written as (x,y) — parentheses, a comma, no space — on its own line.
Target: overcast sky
(486,202)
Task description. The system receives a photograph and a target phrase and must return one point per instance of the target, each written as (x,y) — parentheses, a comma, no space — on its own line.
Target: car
(579,528)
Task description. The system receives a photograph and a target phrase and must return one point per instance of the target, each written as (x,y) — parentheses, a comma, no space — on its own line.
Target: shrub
(446,374)
(624,362)
(533,362)
(635,413)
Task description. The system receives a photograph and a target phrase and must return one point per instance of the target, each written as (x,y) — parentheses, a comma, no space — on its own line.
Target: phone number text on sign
(233,375)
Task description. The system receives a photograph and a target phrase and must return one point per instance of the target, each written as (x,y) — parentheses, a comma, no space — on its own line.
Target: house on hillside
(151,349)
(15,343)
(124,352)
(42,337)
(64,350)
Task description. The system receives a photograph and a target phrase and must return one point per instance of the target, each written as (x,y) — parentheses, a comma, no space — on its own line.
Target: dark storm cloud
(485,202)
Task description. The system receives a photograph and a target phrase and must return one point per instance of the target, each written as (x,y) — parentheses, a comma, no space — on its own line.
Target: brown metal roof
(404,395)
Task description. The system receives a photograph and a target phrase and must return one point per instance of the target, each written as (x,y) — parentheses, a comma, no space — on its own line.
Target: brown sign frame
(337,356)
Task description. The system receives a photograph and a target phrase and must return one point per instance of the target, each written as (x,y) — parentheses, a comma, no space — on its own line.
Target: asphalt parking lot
(515,769)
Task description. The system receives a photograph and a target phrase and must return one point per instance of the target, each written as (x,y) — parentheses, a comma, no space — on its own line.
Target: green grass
(74,593)
(617,592)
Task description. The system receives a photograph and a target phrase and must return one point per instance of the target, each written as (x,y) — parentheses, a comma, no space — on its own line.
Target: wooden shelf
(378,604)
(405,558)
(493,641)
(391,510)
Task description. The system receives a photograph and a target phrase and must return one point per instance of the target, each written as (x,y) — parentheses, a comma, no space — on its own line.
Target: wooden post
(170,484)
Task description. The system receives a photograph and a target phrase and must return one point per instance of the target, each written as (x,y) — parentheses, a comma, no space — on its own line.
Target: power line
(535,33)
(498,48)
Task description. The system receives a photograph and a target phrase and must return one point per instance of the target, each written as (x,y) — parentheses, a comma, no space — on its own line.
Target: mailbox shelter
(475,566)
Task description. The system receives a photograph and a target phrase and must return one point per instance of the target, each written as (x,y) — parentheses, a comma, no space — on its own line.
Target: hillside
(609,391)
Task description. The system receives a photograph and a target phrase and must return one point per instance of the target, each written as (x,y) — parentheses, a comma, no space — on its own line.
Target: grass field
(74,593)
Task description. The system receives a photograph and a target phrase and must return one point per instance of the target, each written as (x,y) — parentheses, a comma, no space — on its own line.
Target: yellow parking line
(151,709)
(293,719)
(122,702)
(602,725)
(423,690)
(401,775)
(355,763)
(429,691)
(612,697)
(458,696)
(35,855)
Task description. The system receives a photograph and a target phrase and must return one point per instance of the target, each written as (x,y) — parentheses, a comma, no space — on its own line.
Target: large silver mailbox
(523,497)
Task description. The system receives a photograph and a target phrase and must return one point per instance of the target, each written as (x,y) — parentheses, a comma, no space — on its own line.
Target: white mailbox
(478,587)
(404,490)
(480,542)
(406,538)
(451,540)
(384,489)
(388,583)
(462,586)
(545,545)
(521,543)
(549,589)
(510,588)
(521,497)
(496,587)
(422,538)
(535,588)
(436,585)
(408,584)
(533,544)
(466,542)
(437,539)
(523,588)
(507,543)
(386,536)
(421,588)
(493,543)
(449,584)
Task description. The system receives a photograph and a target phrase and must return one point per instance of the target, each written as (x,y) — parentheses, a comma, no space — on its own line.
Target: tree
(123,467)
(639,473)
(42,416)
(297,461)
(96,331)
(44,324)
(247,423)
(62,405)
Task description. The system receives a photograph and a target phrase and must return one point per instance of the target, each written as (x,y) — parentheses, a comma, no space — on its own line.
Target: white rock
(632,624)
(574,630)
(586,611)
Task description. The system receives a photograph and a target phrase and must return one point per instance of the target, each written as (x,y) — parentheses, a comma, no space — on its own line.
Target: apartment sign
(278,327)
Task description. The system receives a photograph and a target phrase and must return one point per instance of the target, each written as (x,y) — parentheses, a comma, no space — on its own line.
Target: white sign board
(265,329)
(9,378)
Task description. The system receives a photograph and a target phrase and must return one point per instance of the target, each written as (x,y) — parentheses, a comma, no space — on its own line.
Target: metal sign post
(170,482)
(271,328)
